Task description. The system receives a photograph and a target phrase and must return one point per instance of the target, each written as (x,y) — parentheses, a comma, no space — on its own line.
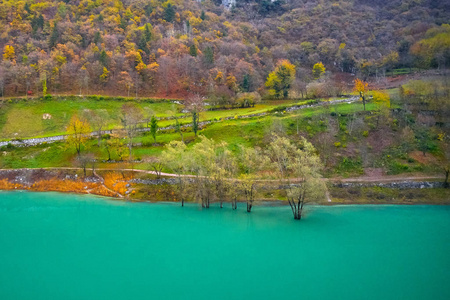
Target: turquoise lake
(62,246)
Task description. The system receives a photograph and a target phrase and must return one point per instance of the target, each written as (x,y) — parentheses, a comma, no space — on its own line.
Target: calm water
(58,246)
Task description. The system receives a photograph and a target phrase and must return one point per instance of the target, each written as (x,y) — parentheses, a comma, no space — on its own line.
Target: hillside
(175,48)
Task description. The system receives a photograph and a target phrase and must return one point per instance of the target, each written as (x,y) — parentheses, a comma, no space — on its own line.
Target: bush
(365,133)
(396,168)
(248,99)
(349,165)
(337,144)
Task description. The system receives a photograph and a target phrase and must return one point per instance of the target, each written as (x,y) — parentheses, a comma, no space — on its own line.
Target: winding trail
(378,179)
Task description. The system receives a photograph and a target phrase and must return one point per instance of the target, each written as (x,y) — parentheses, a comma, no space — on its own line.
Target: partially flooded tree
(77,133)
(251,160)
(223,172)
(298,169)
(176,160)
(202,166)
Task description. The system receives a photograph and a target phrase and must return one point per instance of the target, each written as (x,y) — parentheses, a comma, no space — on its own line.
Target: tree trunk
(182,202)
(249,206)
(446,185)
(234,203)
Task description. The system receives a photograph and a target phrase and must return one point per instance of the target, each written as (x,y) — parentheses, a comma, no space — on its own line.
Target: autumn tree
(9,53)
(279,81)
(318,70)
(77,133)
(382,99)
(126,81)
(362,88)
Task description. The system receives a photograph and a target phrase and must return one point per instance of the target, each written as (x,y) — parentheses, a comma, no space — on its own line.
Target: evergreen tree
(153,127)
(54,37)
(209,55)
(147,32)
(104,58)
(246,83)
(169,13)
(193,50)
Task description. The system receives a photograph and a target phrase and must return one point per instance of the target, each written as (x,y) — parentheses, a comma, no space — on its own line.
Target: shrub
(337,144)
(365,133)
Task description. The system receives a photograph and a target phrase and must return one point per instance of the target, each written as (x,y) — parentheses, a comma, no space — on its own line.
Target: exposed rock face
(229,3)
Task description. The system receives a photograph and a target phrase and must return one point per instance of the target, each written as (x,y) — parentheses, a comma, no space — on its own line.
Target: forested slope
(174,48)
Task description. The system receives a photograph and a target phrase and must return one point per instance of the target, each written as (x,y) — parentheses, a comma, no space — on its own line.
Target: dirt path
(378,179)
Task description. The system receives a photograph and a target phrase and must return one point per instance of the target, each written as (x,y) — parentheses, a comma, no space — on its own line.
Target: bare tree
(131,116)
(194,104)
(97,119)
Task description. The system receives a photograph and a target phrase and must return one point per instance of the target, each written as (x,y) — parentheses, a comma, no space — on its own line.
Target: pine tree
(193,50)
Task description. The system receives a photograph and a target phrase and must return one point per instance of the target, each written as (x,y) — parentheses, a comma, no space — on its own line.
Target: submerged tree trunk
(297,206)
(249,195)
(234,203)
(249,206)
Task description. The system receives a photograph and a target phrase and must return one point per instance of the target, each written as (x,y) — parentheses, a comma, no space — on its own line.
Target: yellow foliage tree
(318,70)
(280,80)
(382,99)
(104,76)
(77,133)
(362,88)
(231,82)
(219,77)
(9,53)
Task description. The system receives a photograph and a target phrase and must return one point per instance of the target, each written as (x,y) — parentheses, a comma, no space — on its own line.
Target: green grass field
(235,132)
(23,118)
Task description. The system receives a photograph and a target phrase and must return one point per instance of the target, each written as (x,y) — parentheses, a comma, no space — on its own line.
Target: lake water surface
(60,246)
